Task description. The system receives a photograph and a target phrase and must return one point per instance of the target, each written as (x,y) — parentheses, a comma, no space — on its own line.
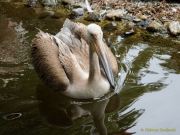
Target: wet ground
(147,104)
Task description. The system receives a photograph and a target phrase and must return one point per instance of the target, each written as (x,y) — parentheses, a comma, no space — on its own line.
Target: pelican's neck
(94,67)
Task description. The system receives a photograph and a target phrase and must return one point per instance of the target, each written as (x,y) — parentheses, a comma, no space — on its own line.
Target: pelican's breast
(84,89)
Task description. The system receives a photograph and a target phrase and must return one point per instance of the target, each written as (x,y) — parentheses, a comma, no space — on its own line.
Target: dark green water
(147,104)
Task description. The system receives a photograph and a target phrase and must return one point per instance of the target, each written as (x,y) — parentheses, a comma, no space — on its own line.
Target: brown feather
(46,62)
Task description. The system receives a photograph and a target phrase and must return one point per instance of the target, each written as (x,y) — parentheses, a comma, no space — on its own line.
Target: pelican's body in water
(76,60)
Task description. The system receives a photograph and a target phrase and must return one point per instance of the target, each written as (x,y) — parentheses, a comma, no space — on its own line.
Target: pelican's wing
(68,60)
(45,55)
(73,35)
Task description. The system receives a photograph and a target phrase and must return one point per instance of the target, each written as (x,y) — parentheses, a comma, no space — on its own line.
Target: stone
(154,26)
(131,25)
(128,17)
(114,24)
(67,2)
(136,20)
(143,17)
(115,14)
(93,16)
(78,11)
(130,32)
(174,28)
(143,23)
(102,13)
(49,2)
(31,3)
(174,10)
(166,24)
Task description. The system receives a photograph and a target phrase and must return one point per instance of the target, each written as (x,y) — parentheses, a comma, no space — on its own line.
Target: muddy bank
(155,17)
(160,18)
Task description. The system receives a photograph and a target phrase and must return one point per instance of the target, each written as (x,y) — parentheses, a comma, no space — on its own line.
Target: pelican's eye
(91,34)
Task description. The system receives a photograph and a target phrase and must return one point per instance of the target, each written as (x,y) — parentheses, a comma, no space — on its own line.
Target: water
(148,90)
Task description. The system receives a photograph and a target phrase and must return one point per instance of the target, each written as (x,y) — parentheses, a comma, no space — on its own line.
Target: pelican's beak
(101,52)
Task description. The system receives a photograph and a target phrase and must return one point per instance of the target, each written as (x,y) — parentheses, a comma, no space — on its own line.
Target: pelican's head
(95,31)
(95,35)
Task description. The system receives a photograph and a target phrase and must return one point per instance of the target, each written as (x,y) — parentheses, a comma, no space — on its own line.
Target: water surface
(146,104)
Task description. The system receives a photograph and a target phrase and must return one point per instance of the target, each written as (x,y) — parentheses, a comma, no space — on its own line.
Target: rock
(67,2)
(174,28)
(174,9)
(31,3)
(143,17)
(78,12)
(114,24)
(136,20)
(164,19)
(154,26)
(130,32)
(50,2)
(130,29)
(143,23)
(131,25)
(128,17)
(166,24)
(102,13)
(93,16)
(115,14)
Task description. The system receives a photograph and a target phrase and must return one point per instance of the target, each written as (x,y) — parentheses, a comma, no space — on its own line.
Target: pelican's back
(74,36)
(46,61)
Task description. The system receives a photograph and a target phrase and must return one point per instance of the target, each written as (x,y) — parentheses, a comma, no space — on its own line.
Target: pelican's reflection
(62,111)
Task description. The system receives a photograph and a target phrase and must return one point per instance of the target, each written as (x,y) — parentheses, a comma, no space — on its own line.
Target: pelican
(75,61)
